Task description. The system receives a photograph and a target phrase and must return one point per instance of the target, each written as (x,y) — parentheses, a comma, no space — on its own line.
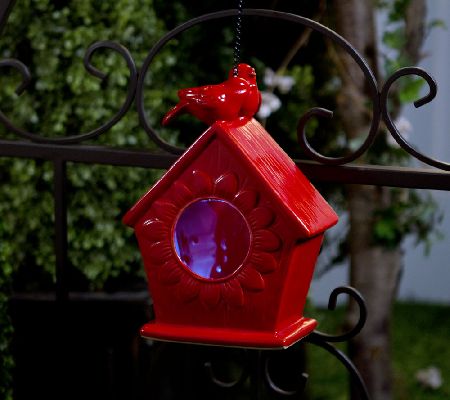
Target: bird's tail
(173,112)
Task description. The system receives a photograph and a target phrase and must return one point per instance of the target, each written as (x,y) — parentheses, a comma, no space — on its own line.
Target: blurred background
(427,273)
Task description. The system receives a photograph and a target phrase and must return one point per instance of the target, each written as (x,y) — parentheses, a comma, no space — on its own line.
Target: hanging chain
(237,38)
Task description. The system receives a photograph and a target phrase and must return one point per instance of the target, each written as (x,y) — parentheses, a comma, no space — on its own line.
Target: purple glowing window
(212,238)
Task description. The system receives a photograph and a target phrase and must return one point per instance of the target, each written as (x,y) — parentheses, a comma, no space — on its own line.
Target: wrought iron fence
(72,149)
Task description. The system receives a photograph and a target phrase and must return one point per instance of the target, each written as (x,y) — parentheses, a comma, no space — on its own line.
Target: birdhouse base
(280,339)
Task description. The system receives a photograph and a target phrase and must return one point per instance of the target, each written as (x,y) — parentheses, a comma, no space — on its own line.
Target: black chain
(237,38)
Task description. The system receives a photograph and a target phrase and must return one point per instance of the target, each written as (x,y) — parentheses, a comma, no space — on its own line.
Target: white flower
(403,126)
(405,129)
(269,77)
(283,83)
(430,377)
(269,104)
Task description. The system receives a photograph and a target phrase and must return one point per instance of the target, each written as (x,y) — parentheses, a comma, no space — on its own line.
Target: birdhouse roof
(275,170)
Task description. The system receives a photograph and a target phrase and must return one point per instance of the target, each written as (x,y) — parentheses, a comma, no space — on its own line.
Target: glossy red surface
(292,191)
(212,238)
(230,337)
(259,304)
(237,97)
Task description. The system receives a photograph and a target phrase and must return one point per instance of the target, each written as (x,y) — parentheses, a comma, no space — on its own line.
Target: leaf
(410,90)
(437,23)
(395,39)
(385,230)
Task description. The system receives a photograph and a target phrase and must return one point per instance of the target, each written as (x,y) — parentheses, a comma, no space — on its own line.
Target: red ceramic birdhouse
(229,237)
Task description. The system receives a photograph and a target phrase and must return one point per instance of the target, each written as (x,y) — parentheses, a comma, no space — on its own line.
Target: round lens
(212,238)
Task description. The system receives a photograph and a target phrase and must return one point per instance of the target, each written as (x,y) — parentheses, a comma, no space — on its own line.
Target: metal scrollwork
(339,40)
(324,340)
(226,385)
(355,376)
(262,374)
(377,96)
(22,68)
(418,103)
(152,133)
(353,293)
(301,382)
(26,78)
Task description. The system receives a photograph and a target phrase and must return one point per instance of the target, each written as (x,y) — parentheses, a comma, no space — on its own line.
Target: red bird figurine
(237,97)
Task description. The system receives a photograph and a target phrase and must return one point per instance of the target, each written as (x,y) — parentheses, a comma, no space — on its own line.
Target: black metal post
(5,8)
(60,180)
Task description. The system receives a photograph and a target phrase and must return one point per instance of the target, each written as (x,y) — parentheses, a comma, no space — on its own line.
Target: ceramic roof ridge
(254,146)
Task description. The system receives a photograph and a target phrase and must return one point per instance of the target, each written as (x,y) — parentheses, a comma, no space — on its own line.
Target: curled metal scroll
(26,78)
(316,338)
(24,72)
(353,293)
(229,384)
(418,103)
(324,340)
(264,374)
(355,376)
(372,83)
(379,98)
(301,383)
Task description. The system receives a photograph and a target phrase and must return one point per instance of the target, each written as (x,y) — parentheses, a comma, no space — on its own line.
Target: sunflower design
(211,240)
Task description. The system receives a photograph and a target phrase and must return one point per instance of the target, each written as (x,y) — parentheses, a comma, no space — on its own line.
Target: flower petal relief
(211,239)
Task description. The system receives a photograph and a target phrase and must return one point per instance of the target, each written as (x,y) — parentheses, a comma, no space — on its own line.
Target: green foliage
(64,99)
(415,346)
(408,213)
(397,9)
(283,123)
(51,38)
(394,40)
(418,345)
(104,248)
(6,328)
(410,90)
